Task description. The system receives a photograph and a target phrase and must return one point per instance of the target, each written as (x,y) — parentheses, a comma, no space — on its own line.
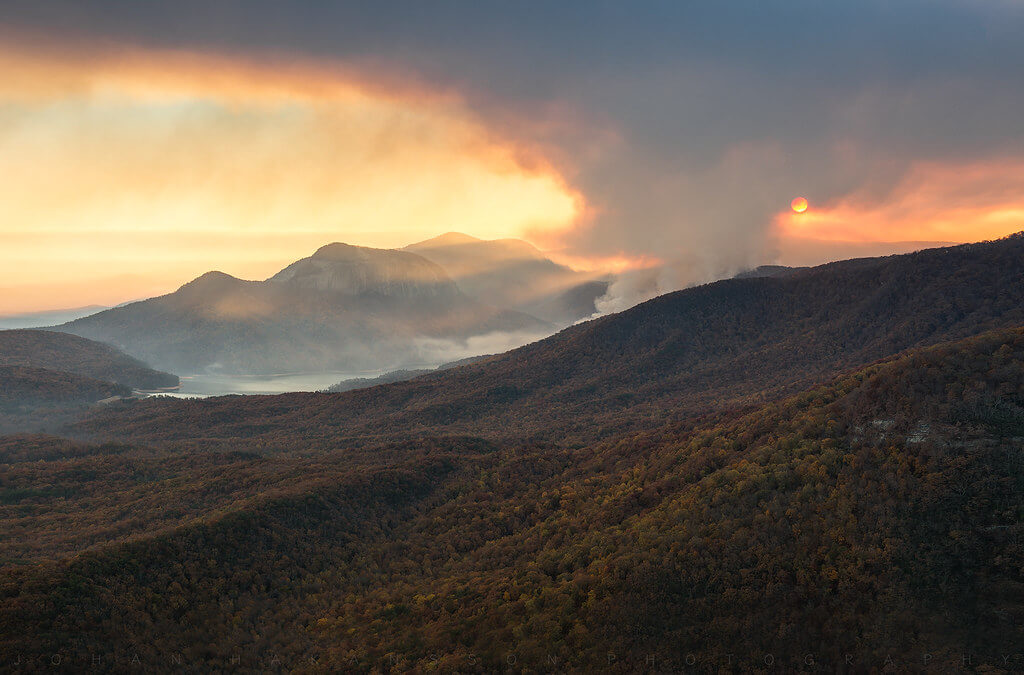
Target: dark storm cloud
(687,125)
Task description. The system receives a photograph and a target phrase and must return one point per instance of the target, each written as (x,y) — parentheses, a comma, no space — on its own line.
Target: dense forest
(874,520)
(35,399)
(818,471)
(48,379)
(22,386)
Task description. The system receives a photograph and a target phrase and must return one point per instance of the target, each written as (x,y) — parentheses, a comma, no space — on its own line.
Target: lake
(206,384)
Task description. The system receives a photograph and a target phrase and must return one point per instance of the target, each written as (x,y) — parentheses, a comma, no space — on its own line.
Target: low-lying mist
(635,286)
(432,352)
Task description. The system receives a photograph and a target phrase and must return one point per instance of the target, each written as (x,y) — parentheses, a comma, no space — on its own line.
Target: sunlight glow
(933,202)
(169,164)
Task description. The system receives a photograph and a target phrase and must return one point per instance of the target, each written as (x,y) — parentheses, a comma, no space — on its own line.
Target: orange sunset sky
(130,175)
(130,169)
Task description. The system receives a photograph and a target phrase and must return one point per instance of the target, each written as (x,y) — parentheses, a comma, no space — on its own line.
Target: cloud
(174,164)
(686,127)
(430,352)
(931,201)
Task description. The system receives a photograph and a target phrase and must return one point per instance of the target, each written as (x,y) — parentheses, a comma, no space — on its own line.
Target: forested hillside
(735,343)
(72,354)
(49,379)
(871,523)
(651,484)
(22,386)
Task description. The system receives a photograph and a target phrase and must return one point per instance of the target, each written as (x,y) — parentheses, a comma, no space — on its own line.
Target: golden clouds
(933,202)
(169,164)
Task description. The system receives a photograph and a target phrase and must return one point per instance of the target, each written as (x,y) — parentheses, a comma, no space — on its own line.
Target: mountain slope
(874,518)
(733,343)
(344,308)
(34,399)
(514,274)
(48,379)
(61,352)
(357,270)
(26,387)
(769,271)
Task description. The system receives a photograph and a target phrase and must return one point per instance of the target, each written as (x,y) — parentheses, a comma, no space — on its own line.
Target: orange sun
(799,204)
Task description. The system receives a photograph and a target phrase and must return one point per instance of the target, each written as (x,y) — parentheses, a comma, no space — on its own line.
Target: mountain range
(350,308)
(720,346)
(820,464)
(345,308)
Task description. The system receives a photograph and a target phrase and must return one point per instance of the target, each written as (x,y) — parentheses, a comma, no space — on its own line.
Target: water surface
(206,384)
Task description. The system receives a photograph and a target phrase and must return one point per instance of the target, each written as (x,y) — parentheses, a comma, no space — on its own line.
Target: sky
(142,144)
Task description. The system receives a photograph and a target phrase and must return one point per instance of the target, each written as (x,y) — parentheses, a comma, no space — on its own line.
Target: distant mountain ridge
(342,308)
(47,318)
(358,270)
